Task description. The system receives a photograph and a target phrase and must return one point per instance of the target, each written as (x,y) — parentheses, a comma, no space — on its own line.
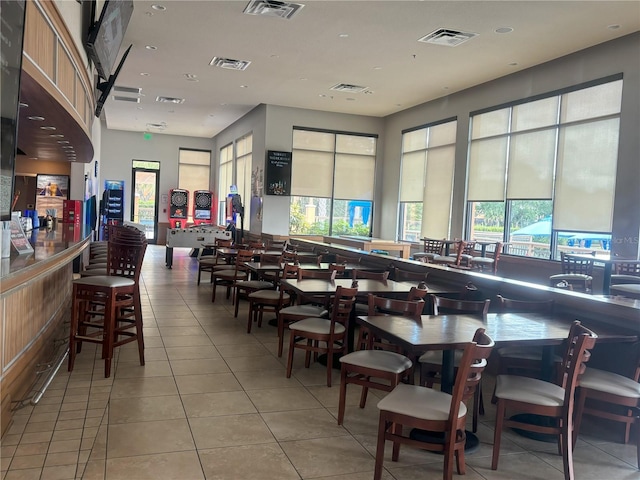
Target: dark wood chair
(626,273)
(613,397)
(210,263)
(341,259)
(228,277)
(527,395)
(264,301)
(412,406)
(106,309)
(400,275)
(577,273)
(431,248)
(322,335)
(431,362)
(379,365)
(488,263)
(452,260)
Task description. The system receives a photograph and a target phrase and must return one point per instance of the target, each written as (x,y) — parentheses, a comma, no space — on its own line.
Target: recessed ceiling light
(36,118)
(23,105)
(377,68)
(63,142)
(343,35)
(513,64)
(303,78)
(144,74)
(33,158)
(139,108)
(244,86)
(322,95)
(158,7)
(503,30)
(151,47)
(615,26)
(56,135)
(47,128)
(351,99)
(275,55)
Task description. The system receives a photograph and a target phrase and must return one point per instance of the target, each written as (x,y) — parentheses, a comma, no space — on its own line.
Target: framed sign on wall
(278,173)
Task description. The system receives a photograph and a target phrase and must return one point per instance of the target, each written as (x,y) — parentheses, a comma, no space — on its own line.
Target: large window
(332,183)
(426,181)
(225,179)
(194,168)
(244,147)
(542,173)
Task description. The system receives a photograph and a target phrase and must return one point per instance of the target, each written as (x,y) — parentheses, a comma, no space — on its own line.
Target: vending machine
(179,207)
(203,207)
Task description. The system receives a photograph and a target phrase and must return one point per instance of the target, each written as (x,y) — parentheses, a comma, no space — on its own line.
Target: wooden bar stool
(106,309)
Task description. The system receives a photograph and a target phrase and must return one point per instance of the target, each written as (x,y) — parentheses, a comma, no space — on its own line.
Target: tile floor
(213,403)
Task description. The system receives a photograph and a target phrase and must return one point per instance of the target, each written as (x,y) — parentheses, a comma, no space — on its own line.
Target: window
(194,168)
(243,174)
(225,179)
(332,182)
(542,173)
(426,181)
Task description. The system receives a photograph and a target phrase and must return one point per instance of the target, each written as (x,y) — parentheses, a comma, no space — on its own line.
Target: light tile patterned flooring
(213,402)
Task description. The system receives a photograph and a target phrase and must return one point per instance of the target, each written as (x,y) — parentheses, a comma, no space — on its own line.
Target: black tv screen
(106,35)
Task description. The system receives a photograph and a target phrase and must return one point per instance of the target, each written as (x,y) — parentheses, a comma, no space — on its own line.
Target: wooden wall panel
(66,78)
(39,40)
(81,100)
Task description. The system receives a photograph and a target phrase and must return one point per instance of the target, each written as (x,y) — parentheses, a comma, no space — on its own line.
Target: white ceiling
(295,62)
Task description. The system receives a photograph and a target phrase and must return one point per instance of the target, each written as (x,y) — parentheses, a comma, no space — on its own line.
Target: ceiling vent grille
(133,90)
(348,88)
(229,63)
(447,37)
(120,98)
(170,100)
(272,8)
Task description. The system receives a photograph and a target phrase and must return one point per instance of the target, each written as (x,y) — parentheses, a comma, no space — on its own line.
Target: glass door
(144,204)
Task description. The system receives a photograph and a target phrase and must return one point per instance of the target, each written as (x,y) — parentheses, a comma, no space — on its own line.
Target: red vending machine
(203,211)
(179,207)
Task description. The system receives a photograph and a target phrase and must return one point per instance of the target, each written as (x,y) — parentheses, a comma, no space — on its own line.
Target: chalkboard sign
(278,173)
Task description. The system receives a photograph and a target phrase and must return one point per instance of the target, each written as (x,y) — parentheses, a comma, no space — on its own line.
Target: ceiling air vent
(120,98)
(447,37)
(229,63)
(133,90)
(346,87)
(169,100)
(272,8)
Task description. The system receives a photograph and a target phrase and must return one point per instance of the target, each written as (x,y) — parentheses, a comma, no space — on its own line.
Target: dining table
(451,332)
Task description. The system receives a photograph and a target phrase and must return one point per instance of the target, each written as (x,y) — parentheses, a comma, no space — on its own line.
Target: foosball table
(194,237)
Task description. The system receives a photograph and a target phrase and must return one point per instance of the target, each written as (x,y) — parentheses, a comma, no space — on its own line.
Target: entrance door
(144,204)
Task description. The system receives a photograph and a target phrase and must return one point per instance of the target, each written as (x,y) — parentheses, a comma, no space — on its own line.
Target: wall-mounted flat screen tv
(106,35)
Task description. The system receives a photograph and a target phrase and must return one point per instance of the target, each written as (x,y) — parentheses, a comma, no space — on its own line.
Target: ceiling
(372,44)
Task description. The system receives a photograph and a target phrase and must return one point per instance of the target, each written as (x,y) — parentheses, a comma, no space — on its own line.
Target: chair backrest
(442,306)
(270,258)
(390,306)
(431,245)
(400,275)
(256,245)
(242,257)
(219,242)
(469,247)
(419,291)
(535,306)
(472,364)
(572,264)
(124,258)
(343,259)
(290,271)
(289,257)
(318,274)
(342,305)
(578,343)
(339,269)
(379,276)
(628,268)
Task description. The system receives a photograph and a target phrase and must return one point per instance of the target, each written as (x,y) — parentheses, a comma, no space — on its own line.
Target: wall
(277,124)
(119,148)
(609,58)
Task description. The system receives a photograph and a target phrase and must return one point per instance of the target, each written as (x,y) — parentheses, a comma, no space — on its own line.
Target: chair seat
(629,288)
(273,295)
(609,382)
(622,279)
(525,353)
(209,260)
(418,255)
(316,325)
(110,281)
(378,359)
(419,402)
(230,275)
(435,357)
(529,390)
(254,284)
(445,259)
(571,276)
(308,310)
(482,260)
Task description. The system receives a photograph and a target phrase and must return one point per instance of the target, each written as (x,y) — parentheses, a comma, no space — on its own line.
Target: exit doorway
(144,204)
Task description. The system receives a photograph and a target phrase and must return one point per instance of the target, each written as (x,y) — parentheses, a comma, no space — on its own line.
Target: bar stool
(107,307)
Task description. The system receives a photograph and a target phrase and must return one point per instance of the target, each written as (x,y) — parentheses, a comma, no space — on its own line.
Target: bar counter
(35,298)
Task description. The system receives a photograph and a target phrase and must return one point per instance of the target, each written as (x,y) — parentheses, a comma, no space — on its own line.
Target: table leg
(606,281)
(168,257)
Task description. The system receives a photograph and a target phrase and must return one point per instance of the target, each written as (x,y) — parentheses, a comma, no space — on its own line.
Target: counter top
(50,248)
